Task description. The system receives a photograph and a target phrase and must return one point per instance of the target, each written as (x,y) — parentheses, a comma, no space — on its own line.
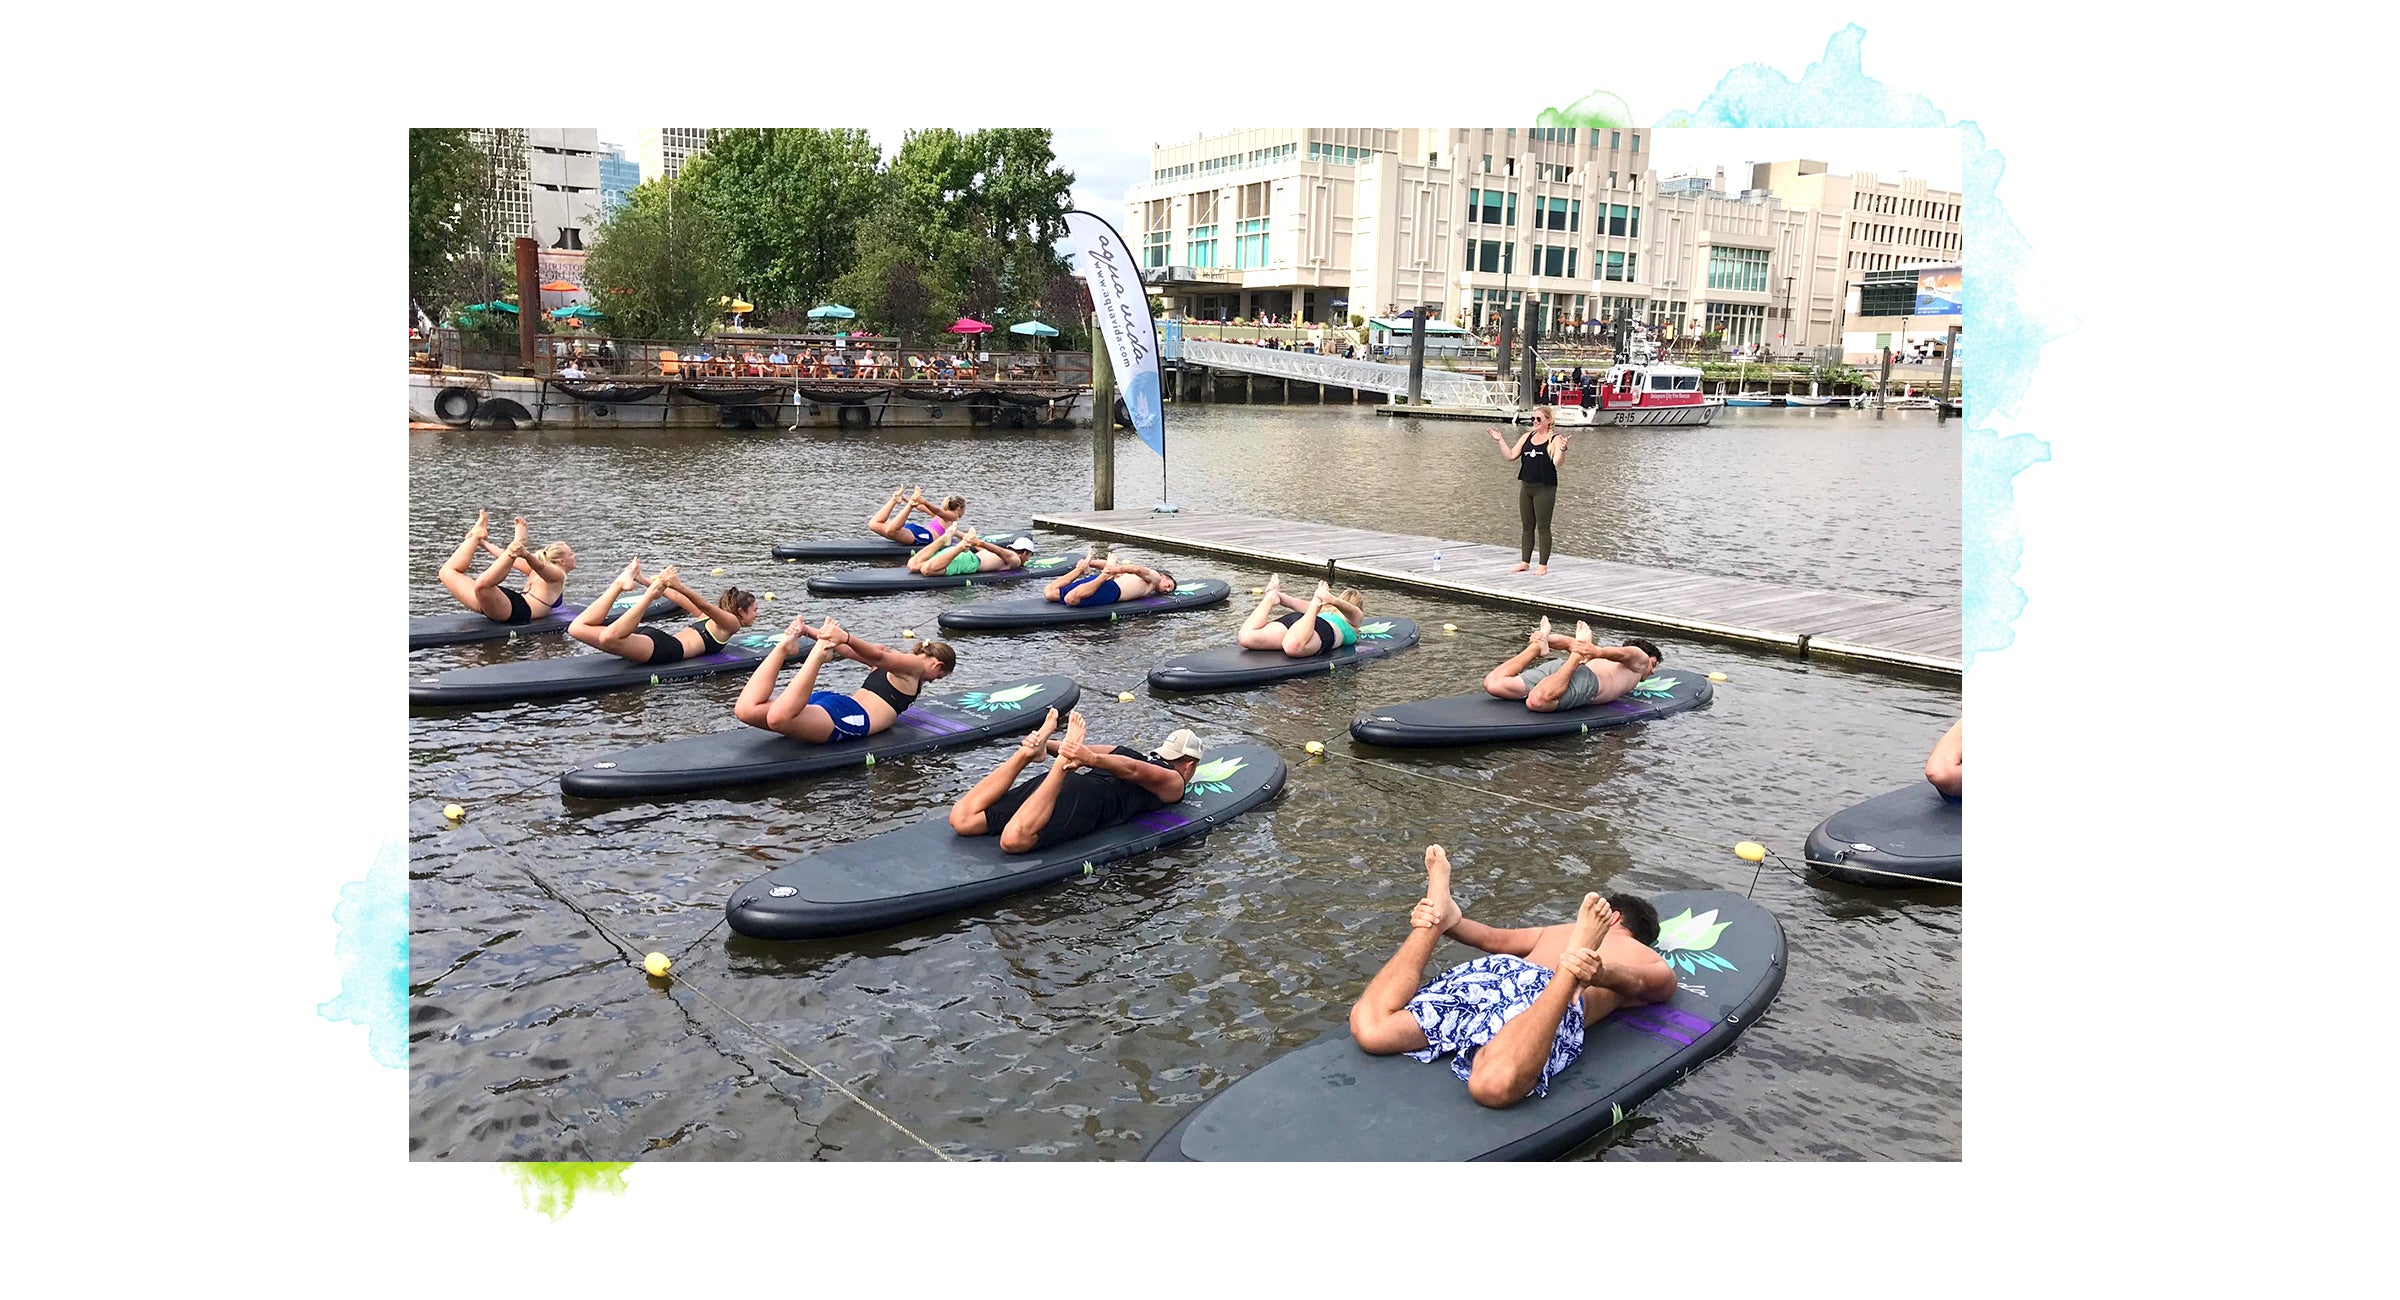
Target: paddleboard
(875,582)
(1479,718)
(1908,839)
(927,869)
(869,547)
(1330,1101)
(582,674)
(464,628)
(1232,667)
(1000,613)
(750,756)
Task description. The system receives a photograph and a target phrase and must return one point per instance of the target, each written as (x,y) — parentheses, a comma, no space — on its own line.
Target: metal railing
(1338,372)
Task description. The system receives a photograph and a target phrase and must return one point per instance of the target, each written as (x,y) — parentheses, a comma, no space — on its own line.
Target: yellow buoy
(453,811)
(1316,747)
(1750,851)
(657,964)
(908,631)
(1449,627)
(1716,677)
(1124,697)
(1258,591)
(714,572)
(770,595)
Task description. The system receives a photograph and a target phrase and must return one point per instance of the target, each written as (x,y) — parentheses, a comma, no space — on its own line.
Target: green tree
(447,215)
(790,202)
(658,264)
(963,224)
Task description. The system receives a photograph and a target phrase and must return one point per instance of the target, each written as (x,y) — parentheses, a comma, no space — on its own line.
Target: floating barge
(487,399)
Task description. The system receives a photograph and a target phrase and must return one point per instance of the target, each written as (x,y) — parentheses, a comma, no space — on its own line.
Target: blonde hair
(1546,416)
(553,552)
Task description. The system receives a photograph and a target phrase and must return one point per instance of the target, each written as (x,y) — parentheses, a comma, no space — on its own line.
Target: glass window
(1558,214)
(1154,248)
(1512,209)
(1574,214)
(1615,267)
(1637,142)
(1201,250)
(1250,244)
(1612,139)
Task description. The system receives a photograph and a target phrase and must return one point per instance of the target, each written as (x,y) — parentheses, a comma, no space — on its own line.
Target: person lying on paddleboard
(1089,788)
(1590,674)
(1321,623)
(804,712)
(1946,766)
(1098,582)
(545,570)
(1515,1017)
(961,551)
(629,638)
(893,526)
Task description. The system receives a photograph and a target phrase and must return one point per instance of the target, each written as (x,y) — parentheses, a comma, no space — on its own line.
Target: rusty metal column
(1949,355)
(1416,358)
(529,302)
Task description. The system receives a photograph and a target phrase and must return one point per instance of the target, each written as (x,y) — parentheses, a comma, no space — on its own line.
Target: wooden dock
(1886,630)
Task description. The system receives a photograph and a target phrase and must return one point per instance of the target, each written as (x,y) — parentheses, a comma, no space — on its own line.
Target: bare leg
(1024,829)
(465,589)
(939,552)
(1259,631)
(1502,681)
(1300,640)
(1379,1020)
(590,626)
(790,714)
(759,691)
(882,524)
(1507,1067)
(1055,589)
(966,816)
(1546,693)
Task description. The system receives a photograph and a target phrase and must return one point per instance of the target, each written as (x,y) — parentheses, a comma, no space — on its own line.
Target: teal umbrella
(509,307)
(831,311)
(579,312)
(1033,327)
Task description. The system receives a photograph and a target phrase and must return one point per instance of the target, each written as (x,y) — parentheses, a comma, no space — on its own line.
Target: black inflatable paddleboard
(1231,667)
(1902,840)
(1478,718)
(1331,1101)
(875,582)
(869,547)
(928,869)
(463,628)
(1033,611)
(581,674)
(749,756)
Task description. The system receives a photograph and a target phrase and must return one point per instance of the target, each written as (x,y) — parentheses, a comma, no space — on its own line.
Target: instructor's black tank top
(1535,466)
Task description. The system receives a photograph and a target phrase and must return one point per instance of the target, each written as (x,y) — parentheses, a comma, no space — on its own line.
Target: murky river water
(1081,1021)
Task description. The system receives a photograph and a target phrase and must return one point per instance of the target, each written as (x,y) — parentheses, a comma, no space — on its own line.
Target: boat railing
(879,360)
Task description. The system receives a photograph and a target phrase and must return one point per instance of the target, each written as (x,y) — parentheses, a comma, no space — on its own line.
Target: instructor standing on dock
(1538,455)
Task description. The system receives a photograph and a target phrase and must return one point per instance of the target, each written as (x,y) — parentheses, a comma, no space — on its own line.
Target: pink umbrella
(966,325)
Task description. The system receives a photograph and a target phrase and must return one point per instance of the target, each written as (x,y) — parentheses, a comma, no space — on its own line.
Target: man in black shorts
(1089,788)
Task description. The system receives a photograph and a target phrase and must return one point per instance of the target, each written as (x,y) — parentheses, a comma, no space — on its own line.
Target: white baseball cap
(1182,744)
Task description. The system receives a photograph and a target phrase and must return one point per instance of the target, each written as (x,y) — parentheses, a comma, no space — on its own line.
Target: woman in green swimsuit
(962,552)
(1322,623)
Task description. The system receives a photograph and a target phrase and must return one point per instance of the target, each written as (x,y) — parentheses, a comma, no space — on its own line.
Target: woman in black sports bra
(1538,455)
(545,571)
(807,712)
(629,638)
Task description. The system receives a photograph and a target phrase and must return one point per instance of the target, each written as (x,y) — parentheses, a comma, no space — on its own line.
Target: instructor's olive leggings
(1534,503)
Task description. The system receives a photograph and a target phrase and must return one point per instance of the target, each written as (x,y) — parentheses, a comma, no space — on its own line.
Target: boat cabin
(1632,384)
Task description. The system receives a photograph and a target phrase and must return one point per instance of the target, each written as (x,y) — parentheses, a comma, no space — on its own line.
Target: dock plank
(1858,626)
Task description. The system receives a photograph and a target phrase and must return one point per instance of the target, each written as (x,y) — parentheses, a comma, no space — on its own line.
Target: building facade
(1316,224)
(663,149)
(544,183)
(1323,223)
(619,176)
(1879,231)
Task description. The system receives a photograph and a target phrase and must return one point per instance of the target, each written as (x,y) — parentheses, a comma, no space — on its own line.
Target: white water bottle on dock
(1437,559)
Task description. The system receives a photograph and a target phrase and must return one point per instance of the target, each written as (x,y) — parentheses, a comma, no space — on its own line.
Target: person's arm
(1491,939)
(1145,574)
(1160,781)
(1508,452)
(698,604)
(1558,449)
(548,572)
(1946,766)
(1645,979)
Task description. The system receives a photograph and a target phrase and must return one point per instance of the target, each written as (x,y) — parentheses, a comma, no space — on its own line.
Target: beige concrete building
(662,149)
(1873,230)
(1322,223)
(545,183)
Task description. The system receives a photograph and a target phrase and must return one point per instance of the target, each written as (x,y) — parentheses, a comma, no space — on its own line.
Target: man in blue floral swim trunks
(1516,1017)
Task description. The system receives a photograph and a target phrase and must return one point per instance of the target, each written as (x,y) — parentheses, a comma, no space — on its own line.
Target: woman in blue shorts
(804,712)
(891,523)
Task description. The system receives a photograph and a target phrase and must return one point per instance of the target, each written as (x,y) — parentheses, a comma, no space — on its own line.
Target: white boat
(1652,395)
(1795,399)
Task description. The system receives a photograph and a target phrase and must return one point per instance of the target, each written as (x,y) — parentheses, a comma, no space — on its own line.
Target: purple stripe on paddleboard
(1654,1030)
(934,722)
(1679,1016)
(1160,819)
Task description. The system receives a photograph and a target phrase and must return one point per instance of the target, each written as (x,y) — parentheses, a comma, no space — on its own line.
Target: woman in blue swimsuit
(629,638)
(804,712)
(545,570)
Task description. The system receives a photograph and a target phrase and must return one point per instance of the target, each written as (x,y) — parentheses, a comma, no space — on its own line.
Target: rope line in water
(625,952)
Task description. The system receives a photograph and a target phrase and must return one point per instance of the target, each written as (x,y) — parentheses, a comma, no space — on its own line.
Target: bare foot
(1274,584)
(1446,911)
(483,525)
(1521,566)
(1323,593)
(1583,632)
(1541,570)
(1070,743)
(1593,921)
(668,574)
(631,575)
(830,633)
(1031,745)
(520,534)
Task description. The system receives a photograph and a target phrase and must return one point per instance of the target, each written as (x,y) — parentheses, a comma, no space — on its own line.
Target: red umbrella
(966,325)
